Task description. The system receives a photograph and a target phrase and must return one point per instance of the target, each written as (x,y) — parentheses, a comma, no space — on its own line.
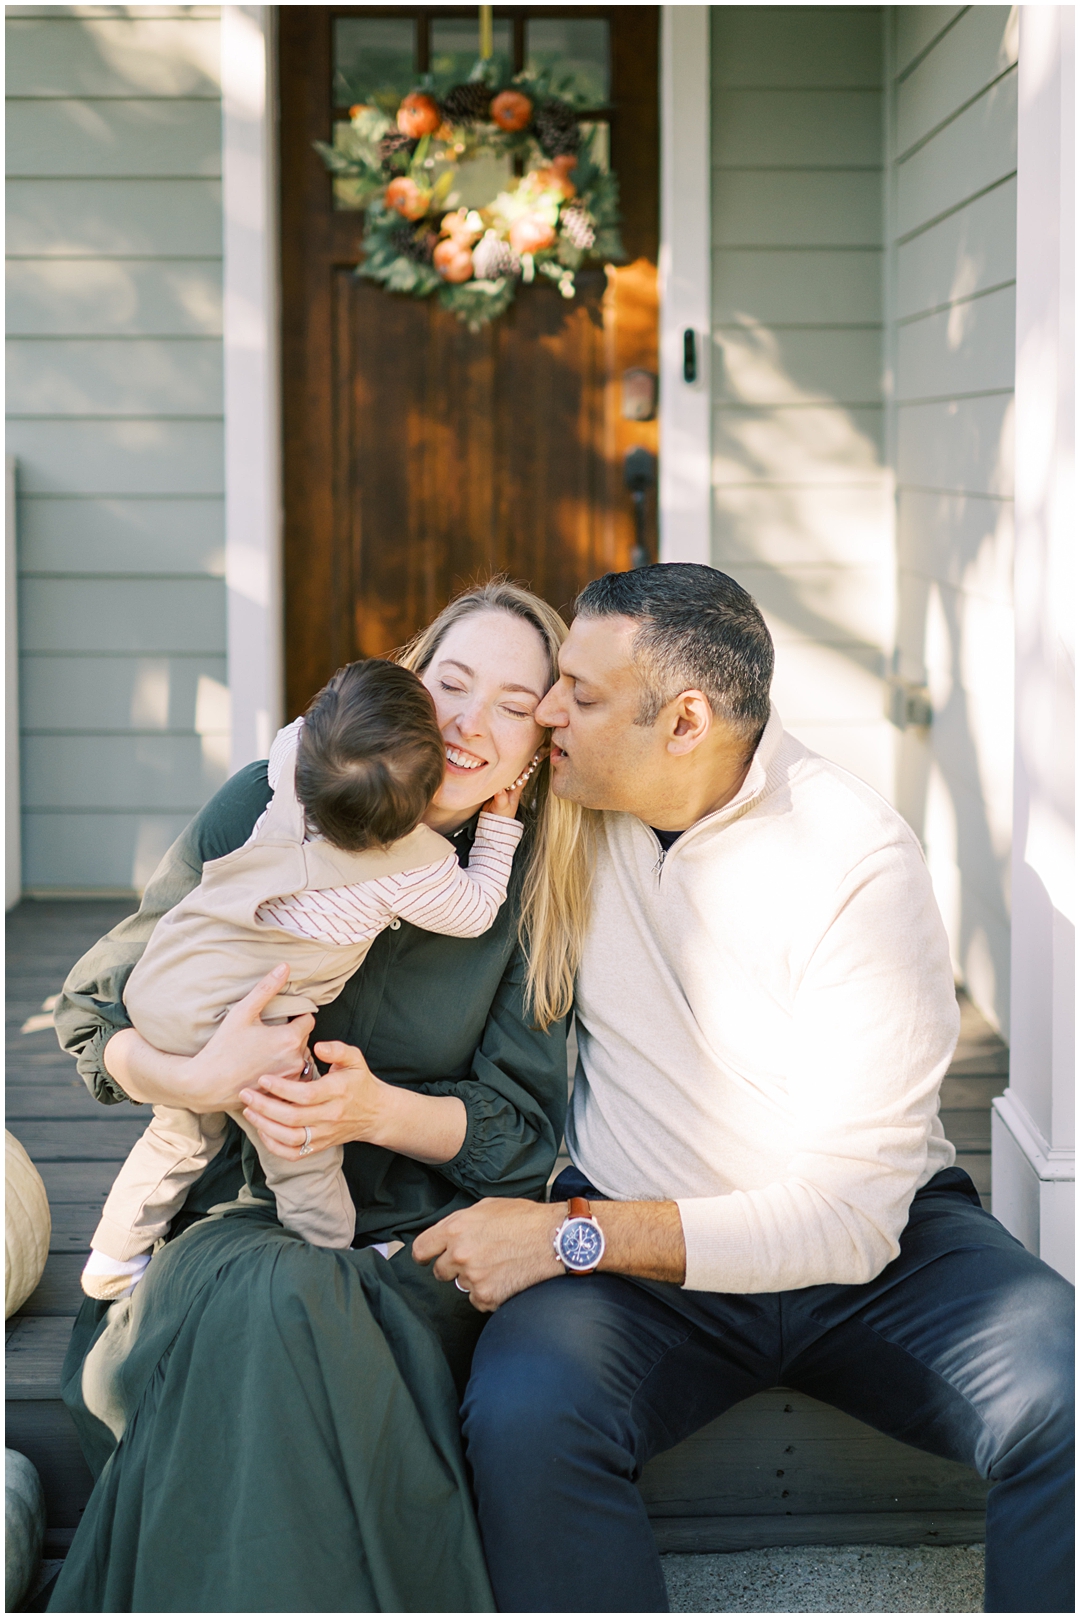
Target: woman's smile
(461,762)
(486,679)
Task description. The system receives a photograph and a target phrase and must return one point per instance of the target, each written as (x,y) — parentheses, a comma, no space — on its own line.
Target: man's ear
(689,720)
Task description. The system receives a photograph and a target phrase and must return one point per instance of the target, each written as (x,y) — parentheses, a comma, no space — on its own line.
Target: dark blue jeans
(962,1346)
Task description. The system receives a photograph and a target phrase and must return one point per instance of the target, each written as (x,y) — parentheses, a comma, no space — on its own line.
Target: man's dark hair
(699,631)
(370,757)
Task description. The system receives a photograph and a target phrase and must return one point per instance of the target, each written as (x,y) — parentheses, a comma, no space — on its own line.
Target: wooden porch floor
(722,1490)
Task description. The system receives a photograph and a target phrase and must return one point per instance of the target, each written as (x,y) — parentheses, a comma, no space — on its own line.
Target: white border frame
(685,283)
(12,786)
(253,560)
(1033,1143)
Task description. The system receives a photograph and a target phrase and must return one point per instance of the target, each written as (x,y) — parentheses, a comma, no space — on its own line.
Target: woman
(275,1425)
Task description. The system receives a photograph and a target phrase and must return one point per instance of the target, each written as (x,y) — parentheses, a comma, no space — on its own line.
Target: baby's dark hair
(370,757)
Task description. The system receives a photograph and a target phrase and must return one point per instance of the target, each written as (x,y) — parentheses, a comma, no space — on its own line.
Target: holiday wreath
(405,164)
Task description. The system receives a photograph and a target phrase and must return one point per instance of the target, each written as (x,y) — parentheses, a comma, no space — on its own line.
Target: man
(765,1012)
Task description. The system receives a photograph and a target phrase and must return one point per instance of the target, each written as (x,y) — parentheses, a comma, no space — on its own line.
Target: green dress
(274,1427)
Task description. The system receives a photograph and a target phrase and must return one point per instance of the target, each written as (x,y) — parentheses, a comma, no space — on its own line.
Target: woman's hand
(350,1103)
(244,1047)
(344,1105)
(239,1052)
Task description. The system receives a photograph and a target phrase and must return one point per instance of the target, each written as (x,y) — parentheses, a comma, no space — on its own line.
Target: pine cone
(578,226)
(467,103)
(396,150)
(493,258)
(556,129)
(418,245)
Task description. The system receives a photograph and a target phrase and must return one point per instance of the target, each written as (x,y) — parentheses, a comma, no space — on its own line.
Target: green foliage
(433,165)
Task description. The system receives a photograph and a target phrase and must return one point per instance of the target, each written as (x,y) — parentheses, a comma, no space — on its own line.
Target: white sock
(101,1264)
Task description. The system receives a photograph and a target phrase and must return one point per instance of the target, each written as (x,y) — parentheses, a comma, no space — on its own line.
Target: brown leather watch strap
(578,1208)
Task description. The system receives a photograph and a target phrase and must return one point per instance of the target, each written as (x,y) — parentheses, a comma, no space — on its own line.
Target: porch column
(252,433)
(1033,1147)
(685,277)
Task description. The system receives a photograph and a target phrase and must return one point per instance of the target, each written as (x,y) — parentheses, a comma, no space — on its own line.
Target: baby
(339,855)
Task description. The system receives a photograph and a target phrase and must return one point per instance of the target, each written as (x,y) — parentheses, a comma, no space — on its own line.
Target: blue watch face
(580,1245)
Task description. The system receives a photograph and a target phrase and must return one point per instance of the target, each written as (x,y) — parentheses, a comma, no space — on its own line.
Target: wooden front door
(420,456)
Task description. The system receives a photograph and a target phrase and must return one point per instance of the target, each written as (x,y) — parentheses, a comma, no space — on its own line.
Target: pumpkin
(530,234)
(27,1228)
(463,226)
(453,261)
(406,198)
(555,179)
(419,115)
(24,1527)
(512,111)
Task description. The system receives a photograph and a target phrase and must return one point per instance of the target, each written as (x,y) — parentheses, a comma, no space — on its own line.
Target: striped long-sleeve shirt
(441,898)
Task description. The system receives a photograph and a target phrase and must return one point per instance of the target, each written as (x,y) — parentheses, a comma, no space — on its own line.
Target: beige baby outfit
(213,947)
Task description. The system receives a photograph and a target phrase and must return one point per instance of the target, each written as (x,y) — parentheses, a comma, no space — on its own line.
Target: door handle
(639,471)
(689,355)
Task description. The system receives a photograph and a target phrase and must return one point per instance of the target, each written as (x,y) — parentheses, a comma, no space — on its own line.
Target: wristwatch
(579,1241)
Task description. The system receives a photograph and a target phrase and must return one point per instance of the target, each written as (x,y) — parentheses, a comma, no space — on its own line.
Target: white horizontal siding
(86,614)
(112,54)
(965,61)
(762,365)
(135,218)
(113,376)
(167,535)
(963,349)
(970,251)
(788,524)
(800,515)
(94,852)
(144,456)
(137,138)
(793,286)
(86,297)
(797,47)
(132,774)
(114,398)
(957,447)
(809,444)
(114,692)
(805,128)
(772,208)
(917,28)
(962,540)
(976,151)
(953,229)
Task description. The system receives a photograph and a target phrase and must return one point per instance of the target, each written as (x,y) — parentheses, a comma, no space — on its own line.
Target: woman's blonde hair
(558,873)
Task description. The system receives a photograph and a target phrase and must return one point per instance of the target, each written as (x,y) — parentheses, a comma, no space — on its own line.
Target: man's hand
(503,1245)
(499,1247)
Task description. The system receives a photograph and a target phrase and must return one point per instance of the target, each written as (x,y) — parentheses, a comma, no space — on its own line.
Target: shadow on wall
(803,506)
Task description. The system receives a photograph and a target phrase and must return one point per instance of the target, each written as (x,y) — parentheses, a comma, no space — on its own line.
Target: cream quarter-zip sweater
(765,1015)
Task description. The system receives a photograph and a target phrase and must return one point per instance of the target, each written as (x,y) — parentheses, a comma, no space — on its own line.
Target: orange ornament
(530,234)
(456,225)
(361,106)
(406,198)
(555,180)
(453,261)
(512,111)
(418,115)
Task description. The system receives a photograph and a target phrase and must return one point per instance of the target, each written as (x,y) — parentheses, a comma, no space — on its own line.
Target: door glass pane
(374,58)
(575,51)
(455,45)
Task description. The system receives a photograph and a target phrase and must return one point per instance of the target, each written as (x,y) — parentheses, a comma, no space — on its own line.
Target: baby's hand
(506,802)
